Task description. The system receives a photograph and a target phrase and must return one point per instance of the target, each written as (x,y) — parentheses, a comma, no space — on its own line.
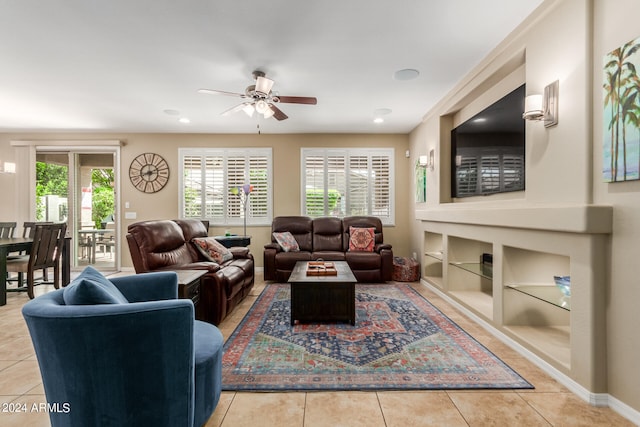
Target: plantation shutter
(490,177)
(336,184)
(479,174)
(359,191)
(513,170)
(214,188)
(467,171)
(208,175)
(235,178)
(348,182)
(314,193)
(192,171)
(381,196)
(259,177)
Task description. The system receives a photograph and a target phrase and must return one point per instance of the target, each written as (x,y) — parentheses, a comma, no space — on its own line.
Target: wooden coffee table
(323,298)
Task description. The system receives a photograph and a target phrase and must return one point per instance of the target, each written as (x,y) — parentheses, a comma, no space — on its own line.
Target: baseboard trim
(624,410)
(594,399)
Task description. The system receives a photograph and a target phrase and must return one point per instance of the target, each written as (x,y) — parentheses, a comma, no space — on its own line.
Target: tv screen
(487,151)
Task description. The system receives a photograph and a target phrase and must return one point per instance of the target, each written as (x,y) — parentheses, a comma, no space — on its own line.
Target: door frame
(26,177)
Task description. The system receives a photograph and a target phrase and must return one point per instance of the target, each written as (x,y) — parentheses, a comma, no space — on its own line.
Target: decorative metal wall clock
(149,172)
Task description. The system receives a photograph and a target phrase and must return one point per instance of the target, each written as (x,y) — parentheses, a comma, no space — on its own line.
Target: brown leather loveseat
(328,238)
(166,245)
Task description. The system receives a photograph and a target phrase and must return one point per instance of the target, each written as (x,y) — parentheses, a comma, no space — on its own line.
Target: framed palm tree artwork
(421,183)
(621,148)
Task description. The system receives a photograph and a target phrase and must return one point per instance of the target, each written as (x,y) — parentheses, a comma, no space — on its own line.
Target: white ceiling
(117,65)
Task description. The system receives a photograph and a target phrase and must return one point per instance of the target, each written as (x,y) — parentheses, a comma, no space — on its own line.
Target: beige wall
(286,183)
(616,23)
(563,40)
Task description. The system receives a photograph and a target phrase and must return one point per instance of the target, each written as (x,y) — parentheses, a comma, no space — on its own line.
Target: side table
(189,287)
(233,240)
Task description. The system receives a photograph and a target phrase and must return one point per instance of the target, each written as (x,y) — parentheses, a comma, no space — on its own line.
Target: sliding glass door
(79,187)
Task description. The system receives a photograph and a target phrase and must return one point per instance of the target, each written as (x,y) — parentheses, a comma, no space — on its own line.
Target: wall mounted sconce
(543,107)
(9,167)
(427,161)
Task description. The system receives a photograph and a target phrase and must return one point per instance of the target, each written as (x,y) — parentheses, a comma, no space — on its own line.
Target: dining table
(23,244)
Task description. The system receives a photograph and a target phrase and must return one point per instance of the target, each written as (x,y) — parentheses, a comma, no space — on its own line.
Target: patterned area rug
(400,342)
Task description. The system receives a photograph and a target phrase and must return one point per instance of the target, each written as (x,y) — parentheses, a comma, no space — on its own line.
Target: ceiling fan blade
(309,100)
(235,109)
(277,113)
(221,92)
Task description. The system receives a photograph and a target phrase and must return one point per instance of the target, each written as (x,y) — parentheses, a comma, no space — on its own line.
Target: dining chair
(28,230)
(106,241)
(29,227)
(7,229)
(48,240)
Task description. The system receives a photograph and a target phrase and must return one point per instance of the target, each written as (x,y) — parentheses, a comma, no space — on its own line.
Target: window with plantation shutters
(208,176)
(513,172)
(467,171)
(479,173)
(490,174)
(346,182)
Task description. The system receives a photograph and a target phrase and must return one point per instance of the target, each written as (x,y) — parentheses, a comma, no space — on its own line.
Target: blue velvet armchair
(144,362)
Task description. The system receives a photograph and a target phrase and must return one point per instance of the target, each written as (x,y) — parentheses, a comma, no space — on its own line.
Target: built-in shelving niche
(468,279)
(535,312)
(433,259)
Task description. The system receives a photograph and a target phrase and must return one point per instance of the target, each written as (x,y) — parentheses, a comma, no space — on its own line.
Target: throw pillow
(287,242)
(90,288)
(361,239)
(212,250)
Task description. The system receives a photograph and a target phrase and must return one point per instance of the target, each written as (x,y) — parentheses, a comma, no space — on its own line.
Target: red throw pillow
(362,239)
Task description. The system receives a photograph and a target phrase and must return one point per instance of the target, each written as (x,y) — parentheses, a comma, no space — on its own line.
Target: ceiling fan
(260,98)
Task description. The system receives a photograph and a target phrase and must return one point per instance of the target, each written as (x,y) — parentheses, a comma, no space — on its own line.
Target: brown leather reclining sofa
(328,238)
(166,245)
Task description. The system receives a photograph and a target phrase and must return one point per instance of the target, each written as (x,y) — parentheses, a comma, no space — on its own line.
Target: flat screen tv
(487,151)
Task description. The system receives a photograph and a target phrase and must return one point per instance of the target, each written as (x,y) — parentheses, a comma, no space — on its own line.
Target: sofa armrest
(386,260)
(210,266)
(239,252)
(269,256)
(148,286)
(273,246)
(382,246)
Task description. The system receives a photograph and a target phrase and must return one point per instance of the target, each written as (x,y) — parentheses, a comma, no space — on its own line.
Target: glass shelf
(436,254)
(483,270)
(546,293)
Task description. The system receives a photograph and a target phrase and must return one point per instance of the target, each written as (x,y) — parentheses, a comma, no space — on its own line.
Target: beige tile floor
(550,404)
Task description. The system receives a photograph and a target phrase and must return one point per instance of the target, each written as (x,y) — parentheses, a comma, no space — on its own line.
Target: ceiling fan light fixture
(248,109)
(264,85)
(268,113)
(262,107)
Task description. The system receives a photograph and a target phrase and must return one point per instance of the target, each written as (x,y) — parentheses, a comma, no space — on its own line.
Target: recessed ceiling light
(184,120)
(378,120)
(381,112)
(171,112)
(406,74)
